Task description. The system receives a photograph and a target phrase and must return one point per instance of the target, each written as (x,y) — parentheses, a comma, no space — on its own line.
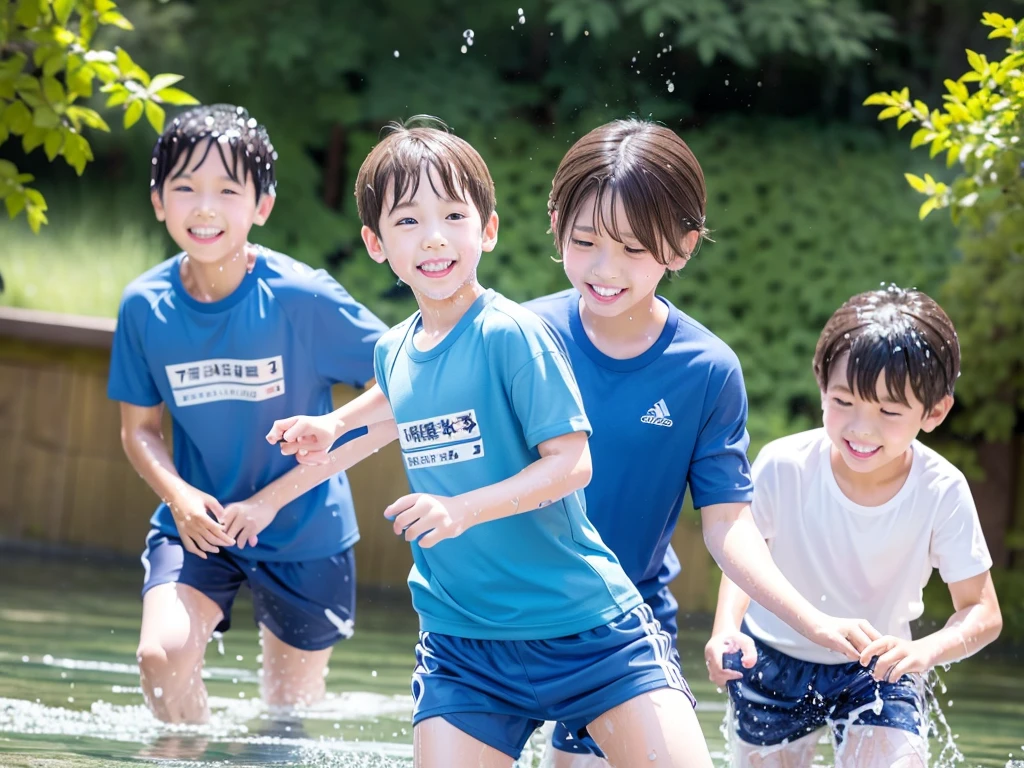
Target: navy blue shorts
(782,699)
(500,691)
(308,605)
(665,609)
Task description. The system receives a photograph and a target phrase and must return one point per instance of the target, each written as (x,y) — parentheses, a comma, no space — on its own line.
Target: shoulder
(553,308)
(146,290)
(792,453)
(506,324)
(939,476)
(393,337)
(292,280)
(704,347)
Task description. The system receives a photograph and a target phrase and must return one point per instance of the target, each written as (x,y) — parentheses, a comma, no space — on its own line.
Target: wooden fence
(64,479)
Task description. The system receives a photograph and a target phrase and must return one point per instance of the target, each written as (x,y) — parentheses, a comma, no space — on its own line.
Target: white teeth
(205,232)
(861,448)
(601,290)
(436,266)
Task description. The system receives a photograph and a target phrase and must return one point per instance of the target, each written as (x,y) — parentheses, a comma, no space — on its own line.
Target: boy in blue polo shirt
(222,335)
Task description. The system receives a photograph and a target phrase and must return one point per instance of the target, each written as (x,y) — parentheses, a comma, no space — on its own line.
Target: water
(69,689)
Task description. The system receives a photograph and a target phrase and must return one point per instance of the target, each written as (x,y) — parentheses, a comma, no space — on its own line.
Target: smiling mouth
(205,234)
(605,293)
(862,450)
(436,267)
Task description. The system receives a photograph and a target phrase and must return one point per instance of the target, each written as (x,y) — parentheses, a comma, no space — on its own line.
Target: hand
(430,517)
(847,636)
(199,533)
(307,438)
(243,520)
(894,657)
(728,642)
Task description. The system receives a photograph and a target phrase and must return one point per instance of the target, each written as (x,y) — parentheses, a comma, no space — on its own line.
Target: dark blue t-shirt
(672,417)
(227,370)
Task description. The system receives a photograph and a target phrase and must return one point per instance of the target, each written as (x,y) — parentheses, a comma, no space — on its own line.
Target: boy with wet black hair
(857,514)
(221,334)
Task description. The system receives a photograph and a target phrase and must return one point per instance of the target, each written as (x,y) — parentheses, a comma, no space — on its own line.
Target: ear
(937,414)
(263,209)
(554,220)
(373,244)
(158,205)
(687,246)
(490,234)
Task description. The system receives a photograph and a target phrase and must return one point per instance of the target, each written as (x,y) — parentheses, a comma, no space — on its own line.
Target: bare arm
(732,607)
(976,622)
(732,537)
(143,441)
(563,467)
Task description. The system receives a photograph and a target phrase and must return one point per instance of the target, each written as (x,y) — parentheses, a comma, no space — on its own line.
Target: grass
(81,262)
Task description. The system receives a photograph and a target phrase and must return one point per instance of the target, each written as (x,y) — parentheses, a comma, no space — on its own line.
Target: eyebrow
(592,231)
(188,176)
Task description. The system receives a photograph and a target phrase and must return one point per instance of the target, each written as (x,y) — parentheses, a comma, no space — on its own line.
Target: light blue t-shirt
(673,417)
(227,370)
(471,412)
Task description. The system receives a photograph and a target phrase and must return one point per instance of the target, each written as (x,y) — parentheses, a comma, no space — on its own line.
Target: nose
(604,267)
(434,241)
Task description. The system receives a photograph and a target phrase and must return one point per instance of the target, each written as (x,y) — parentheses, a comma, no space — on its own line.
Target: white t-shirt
(854,561)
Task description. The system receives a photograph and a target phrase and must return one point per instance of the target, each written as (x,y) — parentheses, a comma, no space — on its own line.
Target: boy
(525,614)
(856,515)
(221,334)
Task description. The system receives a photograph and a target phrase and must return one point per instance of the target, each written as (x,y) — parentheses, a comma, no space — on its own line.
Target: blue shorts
(500,691)
(782,699)
(665,609)
(308,605)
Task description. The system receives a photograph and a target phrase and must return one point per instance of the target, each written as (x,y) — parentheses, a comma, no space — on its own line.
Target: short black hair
(223,126)
(904,333)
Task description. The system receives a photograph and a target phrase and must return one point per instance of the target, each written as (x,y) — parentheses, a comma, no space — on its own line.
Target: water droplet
(374,673)
(396,54)
(158,693)
(652,756)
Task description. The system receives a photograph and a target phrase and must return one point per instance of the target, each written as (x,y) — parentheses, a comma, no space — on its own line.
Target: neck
(213,281)
(630,333)
(440,315)
(879,485)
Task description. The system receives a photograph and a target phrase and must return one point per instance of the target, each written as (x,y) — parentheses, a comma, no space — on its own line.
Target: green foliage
(980,132)
(744,31)
(48,64)
(938,604)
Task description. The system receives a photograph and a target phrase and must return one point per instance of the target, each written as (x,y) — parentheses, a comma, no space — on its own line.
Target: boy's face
(433,245)
(613,276)
(209,215)
(869,435)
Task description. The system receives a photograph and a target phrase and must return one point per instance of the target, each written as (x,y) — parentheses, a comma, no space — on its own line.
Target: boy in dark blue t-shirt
(221,335)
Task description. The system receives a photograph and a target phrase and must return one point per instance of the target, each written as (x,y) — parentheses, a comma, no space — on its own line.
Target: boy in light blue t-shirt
(525,614)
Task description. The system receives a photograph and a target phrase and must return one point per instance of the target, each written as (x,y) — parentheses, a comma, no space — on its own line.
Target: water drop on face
(652,756)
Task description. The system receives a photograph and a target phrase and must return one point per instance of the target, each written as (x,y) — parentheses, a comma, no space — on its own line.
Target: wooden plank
(12,385)
(39,487)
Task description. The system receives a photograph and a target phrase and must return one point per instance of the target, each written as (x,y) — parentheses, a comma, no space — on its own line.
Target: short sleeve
(763,504)
(380,356)
(958,548)
(719,470)
(346,333)
(130,379)
(546,399)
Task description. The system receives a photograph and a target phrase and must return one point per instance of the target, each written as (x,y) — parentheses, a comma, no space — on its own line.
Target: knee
(157,662)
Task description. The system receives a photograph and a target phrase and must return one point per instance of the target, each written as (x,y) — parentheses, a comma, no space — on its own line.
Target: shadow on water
(70,696)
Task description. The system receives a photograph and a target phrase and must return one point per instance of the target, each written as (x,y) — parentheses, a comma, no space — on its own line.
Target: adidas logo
(658,415)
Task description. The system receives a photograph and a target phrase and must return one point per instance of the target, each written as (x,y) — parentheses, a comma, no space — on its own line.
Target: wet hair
(903,333)
(242,143)
(649,168)
(403,151)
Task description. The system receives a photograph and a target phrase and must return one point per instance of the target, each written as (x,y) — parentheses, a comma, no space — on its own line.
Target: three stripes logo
(658,415)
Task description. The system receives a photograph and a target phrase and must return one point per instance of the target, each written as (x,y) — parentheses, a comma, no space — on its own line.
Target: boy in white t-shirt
(857,515)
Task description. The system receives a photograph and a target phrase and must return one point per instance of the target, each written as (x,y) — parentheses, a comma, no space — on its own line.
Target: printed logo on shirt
(658,415)
(207,381)
(447,439)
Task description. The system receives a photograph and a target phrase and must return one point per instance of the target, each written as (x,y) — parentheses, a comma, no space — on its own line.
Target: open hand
(426,519)
(199,533)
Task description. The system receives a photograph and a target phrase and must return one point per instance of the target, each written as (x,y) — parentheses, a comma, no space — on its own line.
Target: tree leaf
(53,144)
(133,113)
(176,97)
(162,81)
(155,114)
(916,182)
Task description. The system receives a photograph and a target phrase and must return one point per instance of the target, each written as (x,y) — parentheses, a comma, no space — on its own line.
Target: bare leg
(874,746)
(292,677)
(439,744)
(795,754)
(657,729)
(177,621)
(560,759)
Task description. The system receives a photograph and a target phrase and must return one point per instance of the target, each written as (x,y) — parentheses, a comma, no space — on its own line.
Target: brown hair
(397,160)
(903,333)
(651,169)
